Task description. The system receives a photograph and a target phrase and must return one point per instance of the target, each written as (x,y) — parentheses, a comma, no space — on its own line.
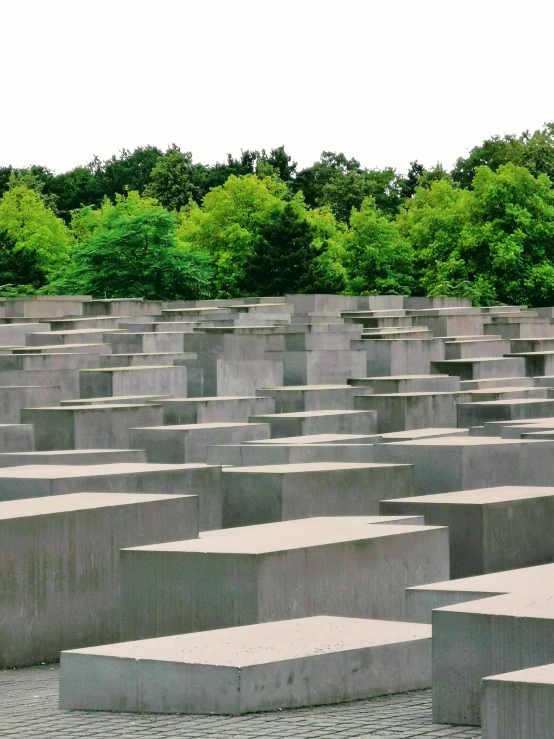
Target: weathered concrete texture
(408,384)
(116,400)
(278,571)
(79,457)
(476,414)
(261,667)
(491,529)
(215,410)
(319,367)
(392,357)
(13,399)
(265,494)
(186,443)
(313,398)
(519,705)
(453,463)
(244,377)
(89,427)
(482,638)
(31,481)
(480,369)
(404,411)
(17,437)
(133,381)
(319,422)
(60,579)
(270,454)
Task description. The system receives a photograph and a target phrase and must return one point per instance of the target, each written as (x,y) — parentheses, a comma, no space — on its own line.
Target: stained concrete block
(301,398)
(255,574)
(244,377)
(245,455)
(491,529)
(449,464)
(215,410)
(89,427)
(116,400)
(480,369)
(404,411)
(486,637)
(185,443)
(60,579)
(79,457)
(319,367)
(265,494)
(408,384)
(391,357)
(319,422)
(144,359)
(261,667)
(149,380)
(17,437)
(476,414)
(33,481)
(473,348)
(518,705)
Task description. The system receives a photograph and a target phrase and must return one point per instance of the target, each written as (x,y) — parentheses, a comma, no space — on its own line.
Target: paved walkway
(29,697)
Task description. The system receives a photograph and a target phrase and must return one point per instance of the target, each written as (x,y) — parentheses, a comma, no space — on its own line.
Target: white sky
(385,81)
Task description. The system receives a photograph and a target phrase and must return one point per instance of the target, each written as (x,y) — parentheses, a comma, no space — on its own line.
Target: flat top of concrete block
(415,394)
(496,583)
(114,398)
(482,496)
(59,471)
(199,426)
(53,347)
(311,414)
(259,644)
(304,467)
(213,398)
(296,388)
(424,433)
(469,360)
(401,377)
(312,439)
(93,407)
(285,535)
(14,425)
(72,332)
(139,368)
(31,507)
(511,401)
(542,675)
(68,452)
(464,441)
(525,603)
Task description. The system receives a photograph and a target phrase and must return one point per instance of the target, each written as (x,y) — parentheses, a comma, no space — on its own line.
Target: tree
(175,180)
(130,171)
(227,225)
(378,260)
(131,249)
(35,242)
(284,259)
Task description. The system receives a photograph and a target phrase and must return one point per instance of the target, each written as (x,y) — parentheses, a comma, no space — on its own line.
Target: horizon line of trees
(156,224)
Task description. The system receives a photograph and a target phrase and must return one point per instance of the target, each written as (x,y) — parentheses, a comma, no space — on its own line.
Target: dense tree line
(159,225)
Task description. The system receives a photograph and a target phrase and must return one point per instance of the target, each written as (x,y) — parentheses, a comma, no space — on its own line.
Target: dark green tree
(175,180)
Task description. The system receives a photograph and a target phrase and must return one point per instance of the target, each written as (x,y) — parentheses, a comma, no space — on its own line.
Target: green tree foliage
(34,241)
(175,180)
(492,243)
(378,260)
(283,258)
(131,249)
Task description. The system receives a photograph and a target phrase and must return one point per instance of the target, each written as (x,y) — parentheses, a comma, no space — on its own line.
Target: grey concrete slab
(79,457)
(213,410)
(245,455)
(482,368)
(183,443)
(266,494)
(518,704)
(321,439)
(391,357)
(261,667)
(309,423)
(491,529)
(476,414)
(453,463)
(60,584)
(33,481)
(14,398)
(168,380)
(17,437)
(116,400)
(277,571)
(408,384)
(406,411)
(90,426)
(313,397)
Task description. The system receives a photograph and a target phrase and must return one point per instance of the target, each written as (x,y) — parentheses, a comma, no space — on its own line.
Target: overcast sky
(385,81)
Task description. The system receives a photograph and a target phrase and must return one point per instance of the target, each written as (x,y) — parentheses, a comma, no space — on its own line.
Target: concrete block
(319,422)
(405,411)
(480,369)
(391,357)
(185,443)
(408,384)
(518,704)
(60,579)
(214,410)
(149,380)
(516,409)
(17,437)
(246,455)
(13,399)
(313,397)
(88,427)
(79,457)
(491,529)
(449,464)
(244,377)
(256,574)
(266,494)
(261,667)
